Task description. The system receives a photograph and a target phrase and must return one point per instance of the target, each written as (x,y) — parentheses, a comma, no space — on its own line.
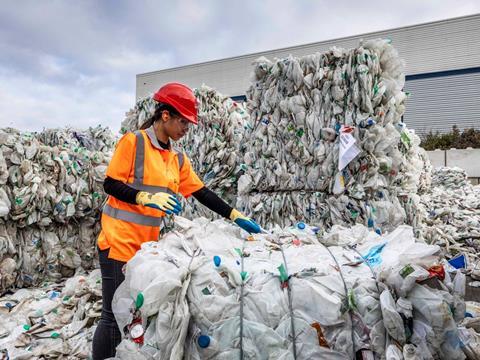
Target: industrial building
(442,71)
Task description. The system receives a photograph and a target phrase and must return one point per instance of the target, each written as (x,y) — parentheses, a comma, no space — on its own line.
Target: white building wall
(438,103)
(438,158)
(466,159)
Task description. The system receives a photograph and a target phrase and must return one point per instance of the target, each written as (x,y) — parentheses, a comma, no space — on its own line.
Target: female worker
(142,179)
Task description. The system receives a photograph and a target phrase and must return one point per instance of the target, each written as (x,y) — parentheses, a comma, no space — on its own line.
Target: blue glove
(244,222)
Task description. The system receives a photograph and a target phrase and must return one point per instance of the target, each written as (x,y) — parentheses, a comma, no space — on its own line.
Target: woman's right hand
(161,201)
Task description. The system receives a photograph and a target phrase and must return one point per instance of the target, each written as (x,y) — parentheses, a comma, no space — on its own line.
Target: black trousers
(107,335)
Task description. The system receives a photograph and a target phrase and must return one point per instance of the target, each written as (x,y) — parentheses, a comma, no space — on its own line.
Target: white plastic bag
(391,318)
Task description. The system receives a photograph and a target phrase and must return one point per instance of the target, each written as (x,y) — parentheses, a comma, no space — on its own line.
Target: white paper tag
(348,149)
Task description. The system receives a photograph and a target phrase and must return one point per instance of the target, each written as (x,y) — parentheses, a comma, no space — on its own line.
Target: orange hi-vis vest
(140,162)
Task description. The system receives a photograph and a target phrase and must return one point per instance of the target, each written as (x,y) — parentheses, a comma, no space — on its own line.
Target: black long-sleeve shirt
(205,196)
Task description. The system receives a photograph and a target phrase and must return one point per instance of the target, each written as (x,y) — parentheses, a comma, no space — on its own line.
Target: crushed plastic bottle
(136,329)
(296,167)
(51,192)
(410,352)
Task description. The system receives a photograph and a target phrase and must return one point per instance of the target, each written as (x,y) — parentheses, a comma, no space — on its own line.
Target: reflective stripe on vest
(180,158)
(139,169)
(139,160)
(131,216)
(151,188)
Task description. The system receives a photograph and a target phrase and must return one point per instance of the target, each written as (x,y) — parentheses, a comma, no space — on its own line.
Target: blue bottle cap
(370,223)
(53,294)
(203,341)
(378,231)
(316,230)
(217,261)
(301,225)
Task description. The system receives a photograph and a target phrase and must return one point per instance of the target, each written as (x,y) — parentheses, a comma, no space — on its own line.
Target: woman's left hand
(244,222)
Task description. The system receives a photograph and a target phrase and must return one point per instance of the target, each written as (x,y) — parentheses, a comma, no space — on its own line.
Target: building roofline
(311,44)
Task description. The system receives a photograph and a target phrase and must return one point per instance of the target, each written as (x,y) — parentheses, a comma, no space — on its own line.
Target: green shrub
(454,139)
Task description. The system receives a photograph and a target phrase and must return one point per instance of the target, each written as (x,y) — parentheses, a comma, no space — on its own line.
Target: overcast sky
(74,62)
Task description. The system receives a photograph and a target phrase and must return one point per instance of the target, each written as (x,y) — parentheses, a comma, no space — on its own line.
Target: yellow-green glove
(244,222)
(161,201)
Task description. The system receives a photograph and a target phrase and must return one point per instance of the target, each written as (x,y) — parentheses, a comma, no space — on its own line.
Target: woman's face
(177,127)
(174,126)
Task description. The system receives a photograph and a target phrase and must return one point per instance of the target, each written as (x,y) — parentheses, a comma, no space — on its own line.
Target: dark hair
(159,108)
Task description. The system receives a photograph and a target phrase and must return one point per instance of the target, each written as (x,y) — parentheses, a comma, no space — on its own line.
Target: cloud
(75,63)
(127,61)
(30,105)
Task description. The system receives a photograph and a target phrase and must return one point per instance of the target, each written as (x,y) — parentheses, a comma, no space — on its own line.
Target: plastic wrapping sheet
(332,123)
(50,198)
(452,219)
(207,291)
(56,320)
(213,146)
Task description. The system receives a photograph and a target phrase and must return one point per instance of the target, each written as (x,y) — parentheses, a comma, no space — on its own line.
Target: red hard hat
(181,97)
